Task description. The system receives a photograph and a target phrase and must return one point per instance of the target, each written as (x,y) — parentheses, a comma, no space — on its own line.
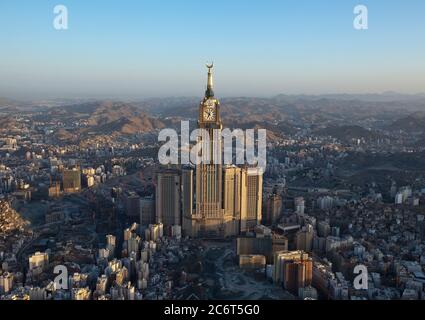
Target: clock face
(209,114)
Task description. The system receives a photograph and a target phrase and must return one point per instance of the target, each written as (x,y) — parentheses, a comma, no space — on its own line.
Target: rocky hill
(110,118)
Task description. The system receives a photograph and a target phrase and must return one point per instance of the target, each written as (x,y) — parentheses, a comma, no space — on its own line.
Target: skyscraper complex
(216,201)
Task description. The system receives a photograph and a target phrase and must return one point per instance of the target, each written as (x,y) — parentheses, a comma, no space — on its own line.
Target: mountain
(412,123)
(240,109)
(346,109)
(108,112)
(388,96)
(107,117)
(11,105)
(5,102)
(140,123)
(348,133)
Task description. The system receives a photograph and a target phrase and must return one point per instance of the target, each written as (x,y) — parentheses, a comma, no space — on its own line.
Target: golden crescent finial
(211,65)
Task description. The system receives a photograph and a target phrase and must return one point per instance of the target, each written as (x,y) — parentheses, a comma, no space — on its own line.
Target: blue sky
(140,48)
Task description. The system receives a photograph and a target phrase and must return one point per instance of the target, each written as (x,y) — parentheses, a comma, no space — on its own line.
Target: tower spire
(210,92)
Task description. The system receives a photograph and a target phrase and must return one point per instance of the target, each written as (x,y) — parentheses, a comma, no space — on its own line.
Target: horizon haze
(140,49)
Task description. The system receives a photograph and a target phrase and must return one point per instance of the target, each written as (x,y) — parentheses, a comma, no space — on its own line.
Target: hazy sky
(159,47)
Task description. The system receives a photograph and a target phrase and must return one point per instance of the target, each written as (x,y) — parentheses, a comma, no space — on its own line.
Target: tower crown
(210,92)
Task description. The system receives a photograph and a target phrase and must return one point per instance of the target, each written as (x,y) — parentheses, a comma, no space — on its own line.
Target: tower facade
(208,217)
(228,199)
(168,198)
(251,198)
(232,200)
(273,209)
(71,180)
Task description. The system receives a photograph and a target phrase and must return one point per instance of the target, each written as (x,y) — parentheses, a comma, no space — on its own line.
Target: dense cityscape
(84,199)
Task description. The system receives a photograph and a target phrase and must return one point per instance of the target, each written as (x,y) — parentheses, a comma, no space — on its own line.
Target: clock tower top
(209,111)
(210,92)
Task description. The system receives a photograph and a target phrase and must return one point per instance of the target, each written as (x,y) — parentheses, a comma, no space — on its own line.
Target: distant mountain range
(5,102)
(414,122)
(371,97)
(345,133)
(367,97)
(292,107)
(283,114)
(107,118)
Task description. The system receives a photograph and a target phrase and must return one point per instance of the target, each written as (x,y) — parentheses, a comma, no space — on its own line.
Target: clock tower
(209,110)
(207,220)
(227,198)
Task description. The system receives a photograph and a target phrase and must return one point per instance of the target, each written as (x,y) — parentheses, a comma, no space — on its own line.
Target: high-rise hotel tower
(207,217)
(216,201)
(223,207)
